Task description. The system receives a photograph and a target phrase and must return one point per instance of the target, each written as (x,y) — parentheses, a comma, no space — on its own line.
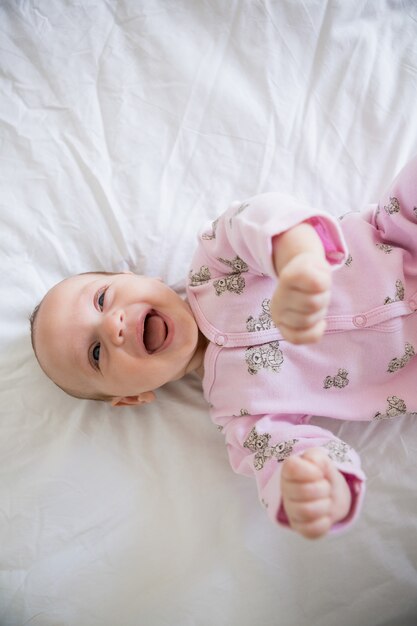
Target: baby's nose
(114,326)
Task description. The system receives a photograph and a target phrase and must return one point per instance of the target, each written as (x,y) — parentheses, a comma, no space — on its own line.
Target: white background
(123,126)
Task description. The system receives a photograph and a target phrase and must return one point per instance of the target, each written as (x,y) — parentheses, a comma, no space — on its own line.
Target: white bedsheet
(124,125)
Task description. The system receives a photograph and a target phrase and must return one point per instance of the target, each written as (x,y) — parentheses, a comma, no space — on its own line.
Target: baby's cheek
(122,373)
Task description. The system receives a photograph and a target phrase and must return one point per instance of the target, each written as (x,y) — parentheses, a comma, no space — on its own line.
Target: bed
(124,126)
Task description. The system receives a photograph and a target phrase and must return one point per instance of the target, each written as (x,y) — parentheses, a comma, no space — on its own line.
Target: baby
(290,314)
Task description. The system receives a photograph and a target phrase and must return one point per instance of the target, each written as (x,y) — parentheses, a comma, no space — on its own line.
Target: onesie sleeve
(247,229)
(395,216)
(257,446)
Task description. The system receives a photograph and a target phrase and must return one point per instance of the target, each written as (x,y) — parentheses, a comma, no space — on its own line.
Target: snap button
(220,340)
(412,304)
(359,320)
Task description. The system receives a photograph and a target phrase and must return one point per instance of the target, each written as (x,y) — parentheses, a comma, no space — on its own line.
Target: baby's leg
(315,494)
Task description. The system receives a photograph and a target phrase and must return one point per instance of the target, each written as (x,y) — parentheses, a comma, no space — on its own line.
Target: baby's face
(119,335)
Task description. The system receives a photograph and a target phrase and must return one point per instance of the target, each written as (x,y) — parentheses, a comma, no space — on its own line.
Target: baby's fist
(299,303)
(315,494)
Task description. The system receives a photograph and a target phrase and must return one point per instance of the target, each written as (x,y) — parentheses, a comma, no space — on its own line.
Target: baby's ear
(142,398)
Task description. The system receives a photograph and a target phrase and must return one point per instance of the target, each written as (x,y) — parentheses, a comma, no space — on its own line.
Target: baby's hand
(315,494)
(299,303)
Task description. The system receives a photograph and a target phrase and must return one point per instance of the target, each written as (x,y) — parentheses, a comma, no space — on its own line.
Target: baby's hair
(32,320)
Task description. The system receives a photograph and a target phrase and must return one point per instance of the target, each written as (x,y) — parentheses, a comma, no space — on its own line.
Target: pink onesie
(263,390)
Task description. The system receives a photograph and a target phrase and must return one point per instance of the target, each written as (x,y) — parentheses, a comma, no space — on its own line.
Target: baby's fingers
(307,491)
(299,317)
(314,529)
(307,304)
(310,335)
(301,321)
(295,469)
(306,496)
(305,512)
(301,274)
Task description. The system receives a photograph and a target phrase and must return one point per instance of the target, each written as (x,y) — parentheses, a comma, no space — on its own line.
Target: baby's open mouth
(154,332)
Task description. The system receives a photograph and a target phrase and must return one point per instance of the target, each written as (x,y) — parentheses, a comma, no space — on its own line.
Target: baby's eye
(95,354)
(100,300)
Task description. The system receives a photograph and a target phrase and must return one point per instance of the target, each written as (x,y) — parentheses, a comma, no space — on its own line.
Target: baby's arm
(307,479)
(315,494)
(299,303)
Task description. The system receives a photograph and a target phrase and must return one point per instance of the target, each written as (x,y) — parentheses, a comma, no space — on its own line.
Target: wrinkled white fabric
(124,125)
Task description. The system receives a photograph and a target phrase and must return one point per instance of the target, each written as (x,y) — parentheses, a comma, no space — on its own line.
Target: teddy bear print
(200,277)
(341,217)
(233,282)
(241,208)
(264,356)
(237,265)
(385,247)
(264,321)
(256,442)
(397,363)
(212,234)
(339,381)
(393,206)
(399,293)
(338,451)
(242,413)
(396,407)
(263,451)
